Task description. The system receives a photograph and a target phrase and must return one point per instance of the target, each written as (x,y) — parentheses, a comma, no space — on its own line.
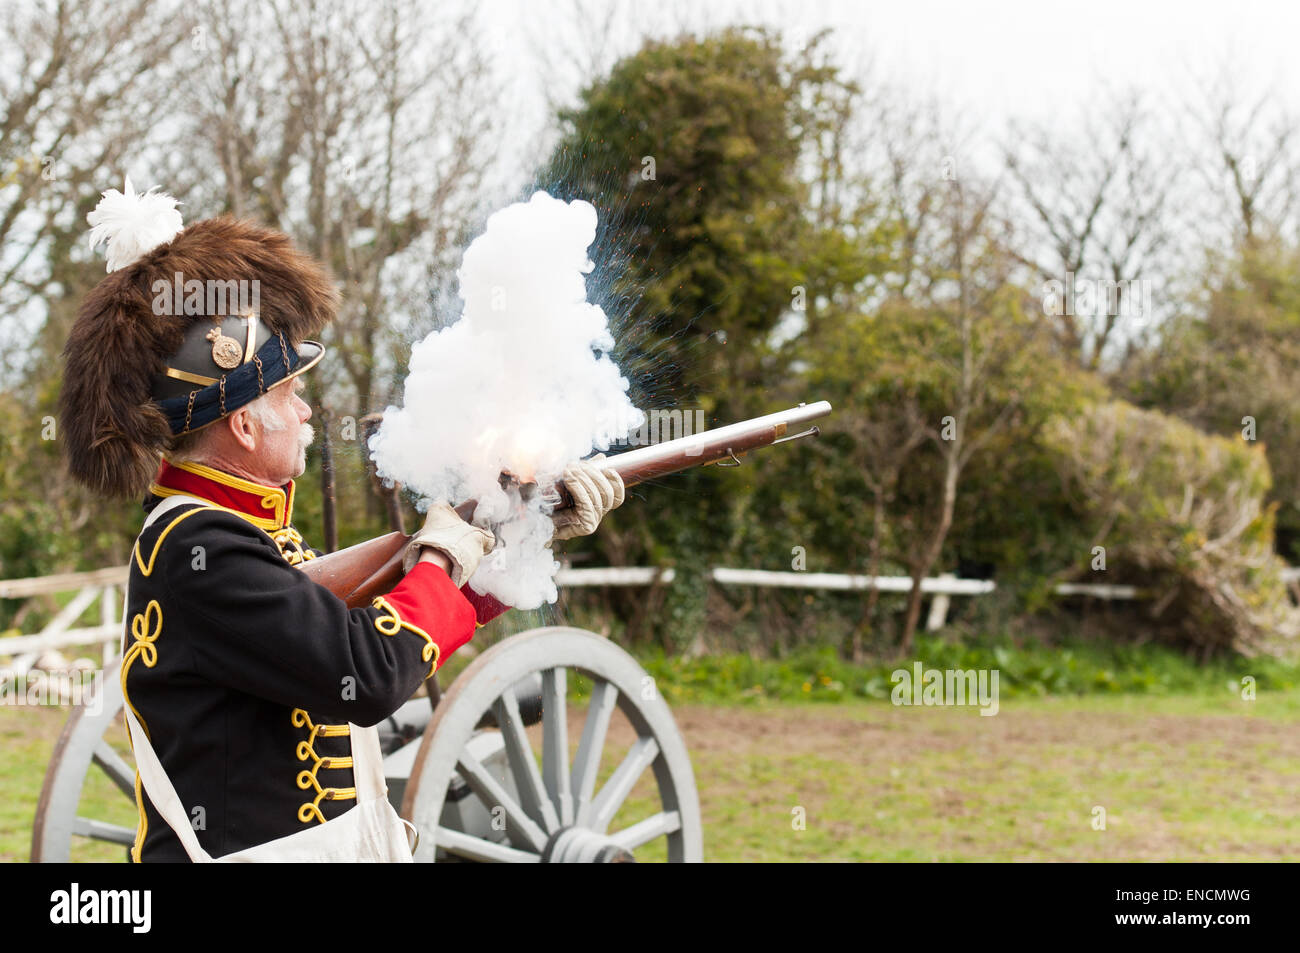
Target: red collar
(266,507)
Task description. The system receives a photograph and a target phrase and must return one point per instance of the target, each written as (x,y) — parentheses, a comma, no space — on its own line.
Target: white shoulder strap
(170,503)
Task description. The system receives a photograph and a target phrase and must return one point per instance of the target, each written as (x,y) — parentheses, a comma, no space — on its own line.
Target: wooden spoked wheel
(84,747)
(552,811)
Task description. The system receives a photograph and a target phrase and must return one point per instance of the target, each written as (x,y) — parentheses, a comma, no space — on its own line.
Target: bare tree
(883,447)
(576,42)
(1095,206)
(76,82)
(970,291)
(363,129)
(1247,157)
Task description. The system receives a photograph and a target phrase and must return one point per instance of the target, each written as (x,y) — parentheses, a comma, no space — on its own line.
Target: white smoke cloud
(514,385)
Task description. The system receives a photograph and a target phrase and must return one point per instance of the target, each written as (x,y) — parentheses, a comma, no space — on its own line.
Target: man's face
(284,451)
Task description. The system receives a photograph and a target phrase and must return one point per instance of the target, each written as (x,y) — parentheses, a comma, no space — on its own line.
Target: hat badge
(226,352)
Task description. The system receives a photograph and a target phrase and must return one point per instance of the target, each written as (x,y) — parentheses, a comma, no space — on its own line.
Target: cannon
(485,773)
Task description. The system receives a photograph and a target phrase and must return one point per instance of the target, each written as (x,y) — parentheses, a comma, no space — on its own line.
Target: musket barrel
(710,446)
(359,573)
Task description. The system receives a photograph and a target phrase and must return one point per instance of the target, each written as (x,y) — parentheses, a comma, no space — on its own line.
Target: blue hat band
(273,362)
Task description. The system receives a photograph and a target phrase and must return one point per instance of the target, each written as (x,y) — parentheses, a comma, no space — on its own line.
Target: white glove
(462,543)
(595,491)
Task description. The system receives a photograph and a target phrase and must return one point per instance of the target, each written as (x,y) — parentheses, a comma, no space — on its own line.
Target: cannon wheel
(82,745)
(558,815)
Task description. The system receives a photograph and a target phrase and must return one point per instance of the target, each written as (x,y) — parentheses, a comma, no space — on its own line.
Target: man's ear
(243,428)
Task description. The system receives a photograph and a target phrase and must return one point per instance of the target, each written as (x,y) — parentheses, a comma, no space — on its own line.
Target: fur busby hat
(191,324)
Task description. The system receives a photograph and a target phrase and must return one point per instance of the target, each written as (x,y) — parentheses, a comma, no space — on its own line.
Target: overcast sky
(1030,58)
(991,61)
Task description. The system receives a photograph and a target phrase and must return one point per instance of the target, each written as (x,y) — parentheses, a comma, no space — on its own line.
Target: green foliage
(1014,512)
(743,209)
(704,256)
(697,266)
(1229,364)
(892,378)
(1073,667)
(47,522)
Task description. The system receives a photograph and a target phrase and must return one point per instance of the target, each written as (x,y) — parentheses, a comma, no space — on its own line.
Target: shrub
(1183,515)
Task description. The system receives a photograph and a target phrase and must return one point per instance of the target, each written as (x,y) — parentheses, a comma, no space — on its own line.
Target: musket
(360,573)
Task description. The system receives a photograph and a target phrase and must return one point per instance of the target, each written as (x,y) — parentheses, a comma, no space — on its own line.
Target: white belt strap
(159,788)
(367,770)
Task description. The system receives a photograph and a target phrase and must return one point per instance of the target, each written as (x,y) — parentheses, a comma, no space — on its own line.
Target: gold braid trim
(143,648)
(142,827)
(145,635)
(147,570)
(310,810)
(290,542)
(392,623)
(271,497)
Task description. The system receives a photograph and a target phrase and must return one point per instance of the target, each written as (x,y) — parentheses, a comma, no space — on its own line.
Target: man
(250,690)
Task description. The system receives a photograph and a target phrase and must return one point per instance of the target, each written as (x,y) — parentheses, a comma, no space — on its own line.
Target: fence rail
(45,585)
(102,585)
(105,585)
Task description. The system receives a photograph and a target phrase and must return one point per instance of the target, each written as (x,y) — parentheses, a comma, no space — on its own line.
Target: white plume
(132,224)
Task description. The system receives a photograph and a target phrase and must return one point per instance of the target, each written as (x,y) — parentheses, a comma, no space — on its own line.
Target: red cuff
(426,598)
(486,608)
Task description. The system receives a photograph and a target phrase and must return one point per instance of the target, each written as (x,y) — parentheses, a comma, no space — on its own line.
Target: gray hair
(195,449)
(264,414)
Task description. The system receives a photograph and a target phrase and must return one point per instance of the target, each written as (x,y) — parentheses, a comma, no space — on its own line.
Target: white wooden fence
(103,585)
(107,586)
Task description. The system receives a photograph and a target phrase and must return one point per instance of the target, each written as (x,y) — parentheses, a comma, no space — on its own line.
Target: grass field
(1180,777)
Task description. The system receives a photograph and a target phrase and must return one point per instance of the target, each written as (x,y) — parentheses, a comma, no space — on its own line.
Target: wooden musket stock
(360,573)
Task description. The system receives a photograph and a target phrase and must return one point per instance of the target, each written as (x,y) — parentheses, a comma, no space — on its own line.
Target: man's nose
(304,410)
